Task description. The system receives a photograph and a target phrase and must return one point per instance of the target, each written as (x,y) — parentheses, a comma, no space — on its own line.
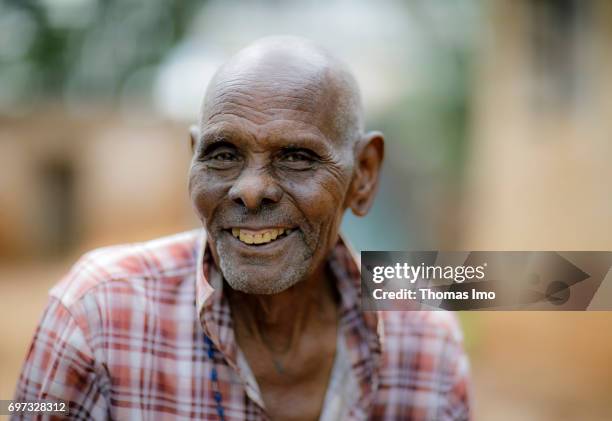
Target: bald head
(290,74)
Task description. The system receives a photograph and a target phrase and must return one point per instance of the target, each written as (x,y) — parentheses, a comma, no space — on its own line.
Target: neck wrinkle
(285,316)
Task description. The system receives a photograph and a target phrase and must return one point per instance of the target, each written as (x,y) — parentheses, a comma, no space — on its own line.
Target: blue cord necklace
(214,378)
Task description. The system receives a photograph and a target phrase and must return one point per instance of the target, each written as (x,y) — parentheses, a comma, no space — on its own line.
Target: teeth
(260,237)
(246,238)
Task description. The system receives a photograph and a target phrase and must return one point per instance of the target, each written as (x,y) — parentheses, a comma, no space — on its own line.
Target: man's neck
(289,342)
(278,320)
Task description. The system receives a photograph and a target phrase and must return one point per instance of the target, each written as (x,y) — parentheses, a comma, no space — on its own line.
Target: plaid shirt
(124,337)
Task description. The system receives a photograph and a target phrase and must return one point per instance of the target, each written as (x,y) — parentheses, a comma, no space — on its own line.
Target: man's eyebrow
(313,143)
(215,135)
(211,136)
(212,140)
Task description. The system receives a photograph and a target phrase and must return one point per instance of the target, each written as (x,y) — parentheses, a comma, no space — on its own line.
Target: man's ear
(369,154)
(194,134)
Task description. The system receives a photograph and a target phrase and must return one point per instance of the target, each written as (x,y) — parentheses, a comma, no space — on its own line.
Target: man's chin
(269,270)
(258,280)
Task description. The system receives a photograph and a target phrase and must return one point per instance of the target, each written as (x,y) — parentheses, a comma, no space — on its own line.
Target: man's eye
(224,156)
(298,160)
(297,157)
(222,159)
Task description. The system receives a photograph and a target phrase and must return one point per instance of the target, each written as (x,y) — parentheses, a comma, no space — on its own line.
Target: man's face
(269,179)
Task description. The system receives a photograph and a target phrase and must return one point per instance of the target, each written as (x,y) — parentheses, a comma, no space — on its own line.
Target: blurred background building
(498,119)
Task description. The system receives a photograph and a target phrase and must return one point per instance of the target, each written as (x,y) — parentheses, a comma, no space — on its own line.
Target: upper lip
(262,228)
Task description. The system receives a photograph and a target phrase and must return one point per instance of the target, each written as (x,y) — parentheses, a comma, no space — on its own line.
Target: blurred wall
(539,161)
(76,182)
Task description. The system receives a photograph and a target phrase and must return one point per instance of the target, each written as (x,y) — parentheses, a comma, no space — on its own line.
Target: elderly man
(257,316)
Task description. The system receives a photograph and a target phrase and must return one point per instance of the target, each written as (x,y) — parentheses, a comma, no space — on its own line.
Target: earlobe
(194,134)
(368,160)
(360,208)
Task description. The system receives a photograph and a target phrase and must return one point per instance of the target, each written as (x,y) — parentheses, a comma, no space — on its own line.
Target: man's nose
(255,188)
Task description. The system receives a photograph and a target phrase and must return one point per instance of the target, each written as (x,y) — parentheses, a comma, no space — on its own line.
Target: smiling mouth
(260,237)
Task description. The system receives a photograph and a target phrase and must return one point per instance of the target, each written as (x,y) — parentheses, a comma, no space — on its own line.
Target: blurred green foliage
(83,47)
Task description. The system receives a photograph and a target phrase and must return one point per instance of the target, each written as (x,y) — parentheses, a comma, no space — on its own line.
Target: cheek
(320,198)
(205,192)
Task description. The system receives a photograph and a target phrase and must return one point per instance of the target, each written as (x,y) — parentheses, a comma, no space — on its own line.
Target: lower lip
(262,248)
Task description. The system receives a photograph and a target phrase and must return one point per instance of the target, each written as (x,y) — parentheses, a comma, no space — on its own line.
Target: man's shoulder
(130,265)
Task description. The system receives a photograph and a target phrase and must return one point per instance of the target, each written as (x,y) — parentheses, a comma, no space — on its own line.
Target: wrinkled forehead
(279,89)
